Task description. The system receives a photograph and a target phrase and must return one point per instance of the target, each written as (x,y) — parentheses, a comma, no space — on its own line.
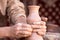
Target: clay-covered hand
(44,19)
(39,28)
(22,30)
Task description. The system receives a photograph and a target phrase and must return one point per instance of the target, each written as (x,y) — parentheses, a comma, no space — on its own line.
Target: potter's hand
(22,30)
(39,28)
(44,19)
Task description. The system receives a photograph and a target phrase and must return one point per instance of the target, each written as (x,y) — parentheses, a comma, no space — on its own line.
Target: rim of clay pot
(34,6)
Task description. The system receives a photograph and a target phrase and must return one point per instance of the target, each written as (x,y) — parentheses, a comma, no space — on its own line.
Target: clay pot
(34,17)
(33,14)
(34,37)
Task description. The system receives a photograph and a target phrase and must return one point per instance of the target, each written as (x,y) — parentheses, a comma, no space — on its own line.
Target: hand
(40,29)
(44,19)
(22,30)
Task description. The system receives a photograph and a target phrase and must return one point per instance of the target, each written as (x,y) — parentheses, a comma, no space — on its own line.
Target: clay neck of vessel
(33,10)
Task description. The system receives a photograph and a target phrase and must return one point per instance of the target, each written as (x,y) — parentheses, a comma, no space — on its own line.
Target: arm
(16,11)
(5,32)
(16,31)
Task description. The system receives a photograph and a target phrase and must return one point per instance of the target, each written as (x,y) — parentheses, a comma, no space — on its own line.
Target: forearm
(5,32)
(10,32)
(16,11)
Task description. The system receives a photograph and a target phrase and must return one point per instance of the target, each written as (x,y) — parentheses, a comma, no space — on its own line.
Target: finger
(18,28)
(43,27)
(26,29)
(41,33)
(44,19)
(37,26)
(23,33)
(23,29)
(42,30)
(36,30)
(24,36)
(43,23)
(20,36)
(27,33)
(39,30)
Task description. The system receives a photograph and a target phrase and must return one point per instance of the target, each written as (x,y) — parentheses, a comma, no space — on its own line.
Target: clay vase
(33,14)
(34,17)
